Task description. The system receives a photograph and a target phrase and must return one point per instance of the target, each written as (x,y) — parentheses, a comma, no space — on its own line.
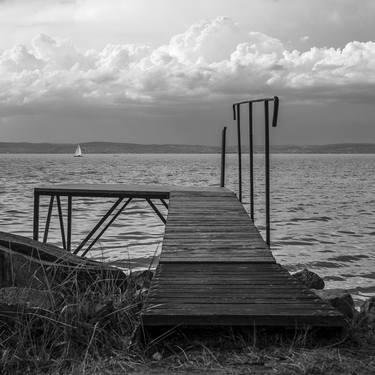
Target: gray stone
(157,356)
(340,299)
(142,279)
(368,310)
(310,279)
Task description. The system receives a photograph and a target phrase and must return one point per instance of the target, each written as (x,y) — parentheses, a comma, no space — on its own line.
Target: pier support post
(223,151)
(69,225)
(36,216)
(251,157)
(239,151)
(267,171)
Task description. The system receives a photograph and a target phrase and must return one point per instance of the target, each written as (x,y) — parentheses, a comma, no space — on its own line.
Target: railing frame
(237,117)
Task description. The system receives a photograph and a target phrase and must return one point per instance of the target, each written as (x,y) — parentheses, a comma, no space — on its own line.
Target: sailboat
(78,152)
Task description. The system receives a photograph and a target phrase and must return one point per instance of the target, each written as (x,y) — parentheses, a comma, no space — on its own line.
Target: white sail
(78,151)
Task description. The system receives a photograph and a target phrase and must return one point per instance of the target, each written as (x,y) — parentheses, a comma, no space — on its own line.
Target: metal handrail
(237,117)
(223,153)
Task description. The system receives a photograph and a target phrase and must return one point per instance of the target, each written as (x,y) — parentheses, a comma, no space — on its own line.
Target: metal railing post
(251,156)
(267,170)
(36,216)
(69,225)
(223,152)
(239,152)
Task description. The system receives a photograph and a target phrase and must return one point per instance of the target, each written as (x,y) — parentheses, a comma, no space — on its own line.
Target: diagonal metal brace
(98,225)
(165,204)
(162,218)
(114,217)
(61,219)
(48,220)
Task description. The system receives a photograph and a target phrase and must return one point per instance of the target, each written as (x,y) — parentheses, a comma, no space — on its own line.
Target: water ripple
(323,206)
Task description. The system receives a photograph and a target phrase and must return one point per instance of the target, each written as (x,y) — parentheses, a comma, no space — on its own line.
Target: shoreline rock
(340,299)
(368,310)
(310,279)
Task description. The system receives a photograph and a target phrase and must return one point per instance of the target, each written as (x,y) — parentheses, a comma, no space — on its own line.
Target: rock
(142,279)
(28,263)
(157,356)
(309,279)
(368,310)
(340,299)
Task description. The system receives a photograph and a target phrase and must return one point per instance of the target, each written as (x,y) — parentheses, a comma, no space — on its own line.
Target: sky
(168,71)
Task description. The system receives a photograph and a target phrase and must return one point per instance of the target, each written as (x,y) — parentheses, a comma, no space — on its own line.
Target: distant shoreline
(133,148)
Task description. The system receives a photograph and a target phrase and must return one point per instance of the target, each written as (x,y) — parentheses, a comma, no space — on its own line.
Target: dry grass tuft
(89,328)
(84,322)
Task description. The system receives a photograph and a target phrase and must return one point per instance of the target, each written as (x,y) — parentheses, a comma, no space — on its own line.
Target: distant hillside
(122,148)
(338,148)
(102,148)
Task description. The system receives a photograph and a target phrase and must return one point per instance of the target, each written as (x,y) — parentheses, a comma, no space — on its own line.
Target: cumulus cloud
(212,59)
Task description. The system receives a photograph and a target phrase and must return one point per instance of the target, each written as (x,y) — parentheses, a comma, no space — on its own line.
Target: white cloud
(212,59)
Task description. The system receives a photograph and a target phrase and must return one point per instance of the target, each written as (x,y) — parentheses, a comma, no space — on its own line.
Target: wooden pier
(214,269)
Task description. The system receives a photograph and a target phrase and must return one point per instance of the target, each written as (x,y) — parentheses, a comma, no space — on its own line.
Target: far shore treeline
(124,148)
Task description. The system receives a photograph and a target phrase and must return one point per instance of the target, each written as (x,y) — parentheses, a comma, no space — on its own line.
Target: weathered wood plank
(248,309)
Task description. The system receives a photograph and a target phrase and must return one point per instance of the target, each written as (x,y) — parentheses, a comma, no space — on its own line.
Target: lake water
(323,206)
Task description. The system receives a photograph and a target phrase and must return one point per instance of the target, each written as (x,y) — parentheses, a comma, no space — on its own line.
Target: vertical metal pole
(239,153)
(223,151)
(69,225)
(36,216)
(267,171)
(61,221)
(251,156)
(48,220)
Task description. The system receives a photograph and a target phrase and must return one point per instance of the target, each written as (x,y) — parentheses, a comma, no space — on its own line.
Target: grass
(85,319)
(93,328)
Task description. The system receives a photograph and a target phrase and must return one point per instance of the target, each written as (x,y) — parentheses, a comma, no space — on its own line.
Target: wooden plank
(245,268)
(217,277)
(240,309)
(218,240)
(228,245)
(165,291)
(209,260)
(198,235)
(294,321)
(226,303)
(251,253)
(208,229)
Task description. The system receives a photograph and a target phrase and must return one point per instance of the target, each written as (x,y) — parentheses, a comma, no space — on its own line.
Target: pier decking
(215,268)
